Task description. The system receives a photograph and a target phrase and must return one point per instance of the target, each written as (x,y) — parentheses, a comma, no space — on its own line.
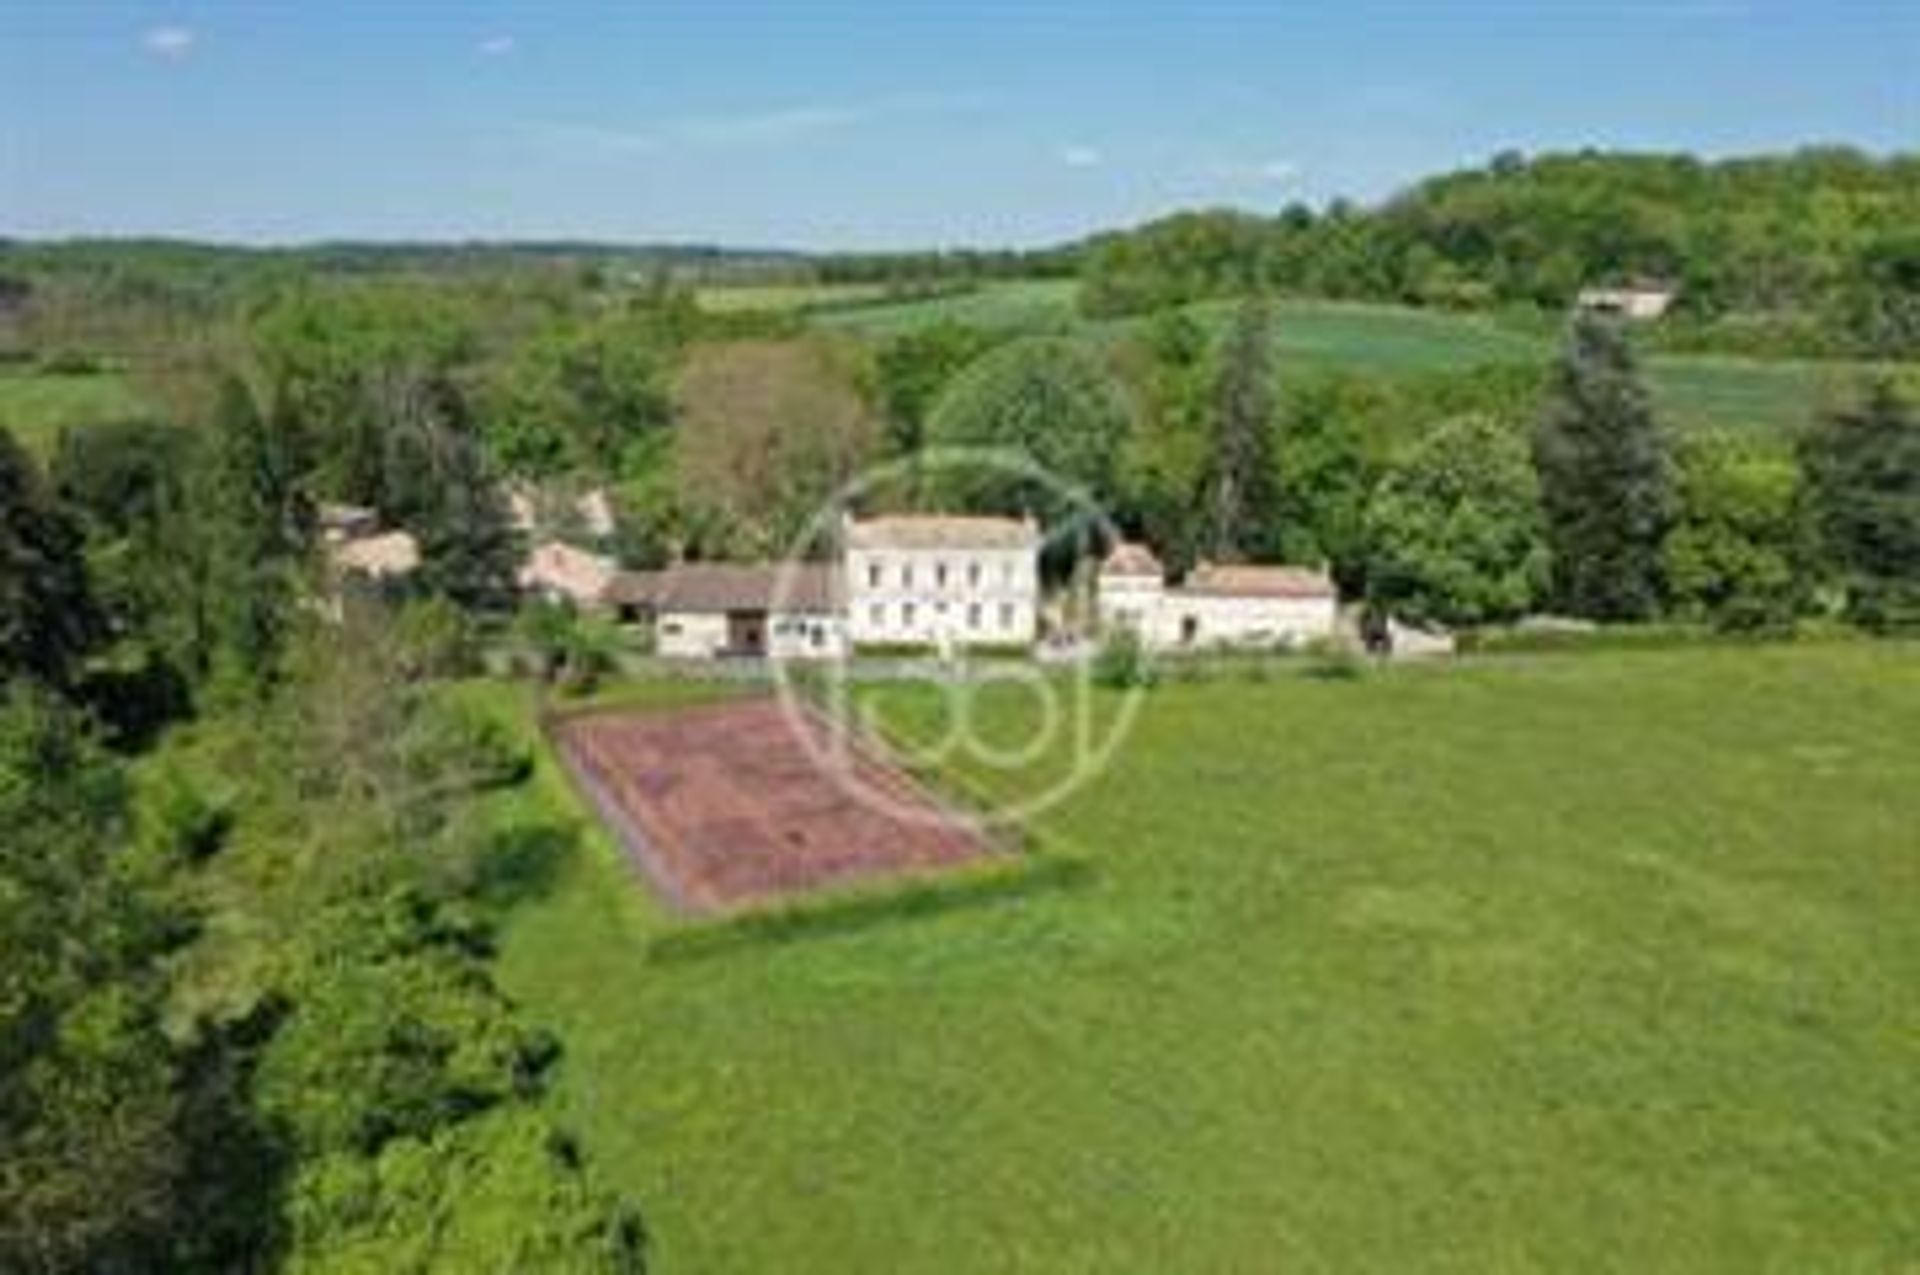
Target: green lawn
(1693,390)
(1554,963)
(35,407)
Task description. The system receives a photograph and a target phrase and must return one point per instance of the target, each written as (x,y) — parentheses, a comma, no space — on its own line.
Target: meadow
(35,407)
(1774,396)
(1551,962)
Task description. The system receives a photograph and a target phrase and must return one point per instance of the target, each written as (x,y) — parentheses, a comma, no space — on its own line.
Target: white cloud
(774,127)
(1080,156)
(495,46)
(171,43)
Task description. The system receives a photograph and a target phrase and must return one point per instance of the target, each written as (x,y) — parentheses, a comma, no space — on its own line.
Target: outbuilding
(1217,605)
(705,610)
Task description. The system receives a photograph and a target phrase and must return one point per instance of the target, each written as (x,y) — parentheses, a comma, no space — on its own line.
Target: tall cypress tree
(1863,484)
(1240,459)
(256,527)
(443,491)
(1606,478)
(47,613)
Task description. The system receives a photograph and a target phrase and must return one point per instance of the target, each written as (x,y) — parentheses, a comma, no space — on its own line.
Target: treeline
(1811,252)
(1467,499)
(248,1019)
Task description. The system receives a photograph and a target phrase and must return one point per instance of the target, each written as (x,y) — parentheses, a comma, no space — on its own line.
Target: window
(1006,573)
(873,575)
(939,575)
(819,635)
(1006,615)
(878,615)
(906,575)
(973,575)
(973,615)
(906,615)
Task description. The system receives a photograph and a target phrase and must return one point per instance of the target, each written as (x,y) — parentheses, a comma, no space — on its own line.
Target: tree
(136,485)
(444,492)
(768,430)
(89,1149)
(1047,400)
(1881,307)
(1738,551)
(258,524)
(579,397)
(48,620)
(913,369)
(1239,465)
(1455,533)
(1863,487)
(1163,464)
(1605,478)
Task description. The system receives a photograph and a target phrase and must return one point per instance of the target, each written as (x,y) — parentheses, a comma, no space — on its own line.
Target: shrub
(1122,662)
(435,638)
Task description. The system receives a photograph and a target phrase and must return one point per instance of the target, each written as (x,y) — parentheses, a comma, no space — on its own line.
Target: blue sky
(873,124)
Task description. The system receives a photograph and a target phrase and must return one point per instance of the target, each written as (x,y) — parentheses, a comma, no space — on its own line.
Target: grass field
(36,407)
(734,298)
(1598,962)
(1695,391)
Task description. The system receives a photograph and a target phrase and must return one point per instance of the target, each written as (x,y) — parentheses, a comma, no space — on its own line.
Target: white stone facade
(1216,607)
(942,582)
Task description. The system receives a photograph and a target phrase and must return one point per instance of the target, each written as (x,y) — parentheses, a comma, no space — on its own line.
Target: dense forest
(1813,252)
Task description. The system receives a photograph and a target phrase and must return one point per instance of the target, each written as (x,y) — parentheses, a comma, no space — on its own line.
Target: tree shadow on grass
(522,864)
(846,914)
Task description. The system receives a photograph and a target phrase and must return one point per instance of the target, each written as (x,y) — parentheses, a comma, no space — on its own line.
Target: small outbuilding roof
(1245,581)
(719,587)
(1131,558)
(633,588)
(558,567)
(941,531)
(393,553)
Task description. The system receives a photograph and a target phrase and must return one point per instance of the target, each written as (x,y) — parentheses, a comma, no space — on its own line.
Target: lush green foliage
(1823,233)
(47,616)
(351,911)
(1739,553)
(1863,474)
(1237,486)
(1605,479)
(89,1109)
(1049,400)
(1455,533)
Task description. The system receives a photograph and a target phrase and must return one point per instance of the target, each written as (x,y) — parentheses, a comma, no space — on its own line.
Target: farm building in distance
(1216,605)
(1640,300)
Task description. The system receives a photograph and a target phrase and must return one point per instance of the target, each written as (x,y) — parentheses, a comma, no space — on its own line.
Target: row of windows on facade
(910,614)
(876,574)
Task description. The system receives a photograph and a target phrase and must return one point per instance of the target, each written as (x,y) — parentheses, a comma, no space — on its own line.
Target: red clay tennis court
(723,805)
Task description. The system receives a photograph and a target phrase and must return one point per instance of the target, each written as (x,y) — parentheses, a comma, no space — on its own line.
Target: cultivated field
(1694,390)
(1550,963)
(725,806)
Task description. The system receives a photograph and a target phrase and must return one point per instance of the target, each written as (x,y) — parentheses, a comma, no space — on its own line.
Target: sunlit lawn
(1594,962)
